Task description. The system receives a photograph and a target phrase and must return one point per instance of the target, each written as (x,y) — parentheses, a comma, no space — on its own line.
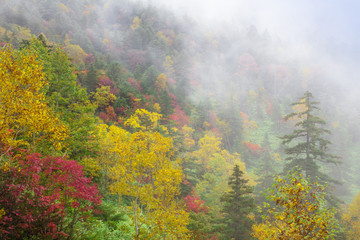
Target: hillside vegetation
(119,120)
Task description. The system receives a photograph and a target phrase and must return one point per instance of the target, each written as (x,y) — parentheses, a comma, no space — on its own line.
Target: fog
(321,33)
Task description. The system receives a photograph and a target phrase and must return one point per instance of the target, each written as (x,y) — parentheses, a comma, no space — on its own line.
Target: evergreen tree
(266,171)
(238,204)
(91,80)
(306,145)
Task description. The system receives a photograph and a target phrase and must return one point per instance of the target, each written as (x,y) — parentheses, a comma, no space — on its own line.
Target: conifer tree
(91,79)
(266,171)
(238,205)
(307,146)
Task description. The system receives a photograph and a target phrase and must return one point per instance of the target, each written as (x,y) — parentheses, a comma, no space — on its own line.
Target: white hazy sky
(337,19)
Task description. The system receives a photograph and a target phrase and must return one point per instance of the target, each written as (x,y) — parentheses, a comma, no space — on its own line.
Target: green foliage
(91,81)
(307,146)
(148,80)
(66,97)
(111,223)
(241,99)
(116,73)
(238,206)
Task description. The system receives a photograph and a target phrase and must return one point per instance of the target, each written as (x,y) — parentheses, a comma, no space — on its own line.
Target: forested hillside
(121,120)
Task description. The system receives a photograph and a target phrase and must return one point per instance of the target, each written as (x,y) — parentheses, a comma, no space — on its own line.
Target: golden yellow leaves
(140,165)
(64,7)
(91,166)
(208,145)
(168,65)
(103,97)
(89,9)
(143,119)
(2,31)
(276,157)
(299,212)
(76,54)
(187,132)
(351,218)
(157,107)
(248,125)
(21,32)
(24,115)
(136,23)
(2,213)
(299,108)
(161,82)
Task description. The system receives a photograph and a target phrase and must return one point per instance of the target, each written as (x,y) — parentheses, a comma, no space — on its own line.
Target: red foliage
(105,81)
(39,193)
(194,83)
(179,116)
(135,58)
(171,81)
(135,84)
(195,204)
(254,148)
(247,64)
(90,59)
(244,116)
(111,113)
(213,238)
(186,182)
(213,119)
(121,111)
(173,98)
(104,117)
(134,102)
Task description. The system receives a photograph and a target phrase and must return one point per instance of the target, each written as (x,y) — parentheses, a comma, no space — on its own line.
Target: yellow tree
(144,120)
(168,65)
(144,170)
(25,118)
(299,212)
(76,54)
(215,168)
(187,133)
(208,145)
(103,97)
(160,82)
(136,23)
(351,219)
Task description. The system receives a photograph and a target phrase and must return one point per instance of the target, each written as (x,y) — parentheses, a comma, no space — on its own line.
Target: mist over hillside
(162,104)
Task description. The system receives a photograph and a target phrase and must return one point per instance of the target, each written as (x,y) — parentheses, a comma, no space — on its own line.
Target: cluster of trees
(99,139)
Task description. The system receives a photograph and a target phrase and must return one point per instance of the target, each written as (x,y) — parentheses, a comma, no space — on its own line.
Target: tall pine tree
(238,204)
(307,146)
(265,171)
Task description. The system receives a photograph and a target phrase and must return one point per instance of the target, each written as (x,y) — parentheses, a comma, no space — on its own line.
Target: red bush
(39,193)
(195,204)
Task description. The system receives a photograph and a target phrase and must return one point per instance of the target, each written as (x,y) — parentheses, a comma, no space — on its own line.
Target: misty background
(317,32)
(235,54)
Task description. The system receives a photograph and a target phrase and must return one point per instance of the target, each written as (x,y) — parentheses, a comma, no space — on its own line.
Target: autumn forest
(122,120)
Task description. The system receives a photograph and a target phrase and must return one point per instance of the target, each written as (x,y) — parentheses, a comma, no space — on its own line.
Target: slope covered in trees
(121,121)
